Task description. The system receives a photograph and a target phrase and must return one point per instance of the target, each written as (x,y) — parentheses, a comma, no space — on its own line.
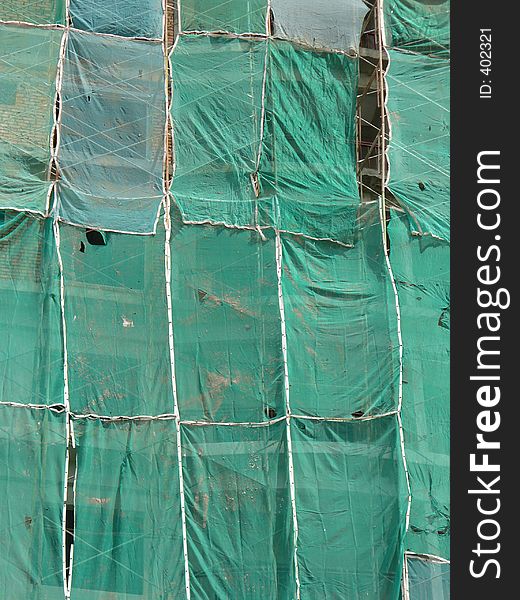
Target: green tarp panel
(327,24)
(128,529)
(419,152)
(32,467)
(39,12)
(421,269)
(28,65)
(117,323)
(308,166)
(350,502)
(428,580)
(129,18)
(235,16)
(226,321)
(112,136)
(307,177)
(216,109)
(418,25)
(31,363)
(343,350)
(238,508)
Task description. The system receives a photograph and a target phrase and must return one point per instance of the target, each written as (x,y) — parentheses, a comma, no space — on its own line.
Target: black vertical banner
(485,357)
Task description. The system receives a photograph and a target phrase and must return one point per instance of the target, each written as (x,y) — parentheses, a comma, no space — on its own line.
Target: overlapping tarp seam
(59,408)
(61,27)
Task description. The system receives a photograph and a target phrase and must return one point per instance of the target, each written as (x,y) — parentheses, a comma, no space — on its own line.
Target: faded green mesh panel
(32,467)
(307,170)
(419,152)
(421,269)
(237,16)
(112,135)
(428,580)
(128,541)
(308,167)
(117,324)
(418,25)
(31,365)
(216,111)
(332,24)
(351,502)
(343,350)
(226,321)
(130,18)
(39,12)
(238,512)
(28,64)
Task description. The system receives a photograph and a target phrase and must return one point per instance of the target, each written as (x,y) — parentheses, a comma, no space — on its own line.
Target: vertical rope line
(167,264)
(292,486)
(400,392)
(405,584)
(168,280)
(69,430)
(382,208)
(66,400)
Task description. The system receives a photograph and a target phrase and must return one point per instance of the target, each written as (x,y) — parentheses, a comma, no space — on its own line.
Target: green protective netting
(428,580)
(226,319)
(31,363)
(128,529)
(351,502)
(236,16)
(238,508)
(28,65)
(129,18)
(343,349)
(419,151)
(32,467)
(39,12)
(111,151)
(216,109)
(421,267)
(331,24)
(308,166)
(418,25)
(117,322)
(307,178)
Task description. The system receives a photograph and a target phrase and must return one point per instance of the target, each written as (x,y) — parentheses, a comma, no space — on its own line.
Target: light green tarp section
(28,64)
(235,16)
(32,467)
(421,270)
(216,110)
(40,12)
(326,24)
(226,321)
(428,580)
(31,364)
(418,25)
(117,323)
(343,349)
(419,151)
(308,166)
(240,535)
(351,502)
(306,175)
(130,18)
(128,532)
(112,134)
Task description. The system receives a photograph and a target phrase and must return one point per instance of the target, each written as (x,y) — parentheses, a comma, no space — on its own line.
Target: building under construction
(224,299)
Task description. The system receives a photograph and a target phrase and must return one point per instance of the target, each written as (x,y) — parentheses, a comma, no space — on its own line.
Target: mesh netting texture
(216,381)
